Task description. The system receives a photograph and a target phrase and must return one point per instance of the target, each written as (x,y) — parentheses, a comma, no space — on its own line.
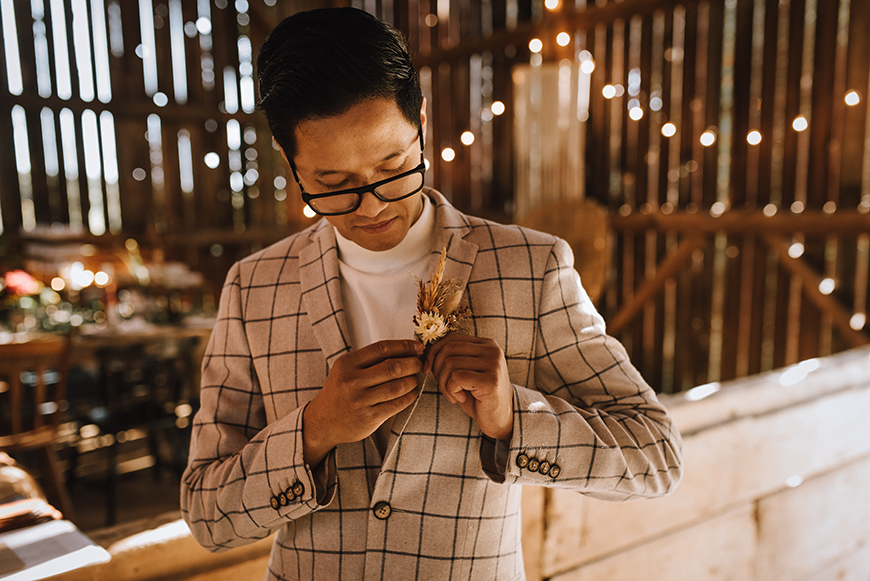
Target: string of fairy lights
(636,112)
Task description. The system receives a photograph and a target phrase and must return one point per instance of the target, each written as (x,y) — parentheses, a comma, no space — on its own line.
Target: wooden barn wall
(758,250)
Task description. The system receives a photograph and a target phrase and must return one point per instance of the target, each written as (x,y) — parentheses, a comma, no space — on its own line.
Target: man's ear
(281,149)
(423,117)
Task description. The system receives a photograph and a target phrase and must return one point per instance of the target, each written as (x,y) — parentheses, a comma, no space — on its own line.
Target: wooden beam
(811,281)
(666,269)
(839,223)
(568,19)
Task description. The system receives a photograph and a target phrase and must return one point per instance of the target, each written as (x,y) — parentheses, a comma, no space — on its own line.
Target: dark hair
(320,63)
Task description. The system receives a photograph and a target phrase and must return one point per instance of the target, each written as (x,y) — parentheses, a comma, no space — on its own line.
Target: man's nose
(370,206)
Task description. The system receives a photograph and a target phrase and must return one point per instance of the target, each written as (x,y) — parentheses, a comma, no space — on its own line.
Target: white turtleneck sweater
(379,289)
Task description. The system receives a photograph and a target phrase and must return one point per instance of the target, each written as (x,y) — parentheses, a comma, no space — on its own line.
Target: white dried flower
(430,327)
(438,310)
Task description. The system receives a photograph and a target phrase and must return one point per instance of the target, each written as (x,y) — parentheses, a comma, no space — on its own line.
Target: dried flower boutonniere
(438,310)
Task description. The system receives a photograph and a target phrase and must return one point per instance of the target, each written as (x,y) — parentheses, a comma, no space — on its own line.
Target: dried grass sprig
(438,311)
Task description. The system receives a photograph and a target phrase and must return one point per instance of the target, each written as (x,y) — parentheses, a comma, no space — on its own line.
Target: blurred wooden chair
(584,225)
(33,378)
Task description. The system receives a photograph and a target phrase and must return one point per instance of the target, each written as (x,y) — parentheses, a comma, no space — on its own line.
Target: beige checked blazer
(443,503)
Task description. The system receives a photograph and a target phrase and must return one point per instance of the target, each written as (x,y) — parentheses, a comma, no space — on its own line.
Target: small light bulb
(796,250)
(800,123)
(563,38)
(447,154)
(827,286)
(609,91)
(467,138)
(535,45)
(708,138)
(212,159)
(852,98)
(754,137)
(636,113)
(669,129)
(497,107)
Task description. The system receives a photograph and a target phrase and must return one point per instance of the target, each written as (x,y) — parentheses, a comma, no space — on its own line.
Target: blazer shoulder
(490,233)
(290,246)
(280,252)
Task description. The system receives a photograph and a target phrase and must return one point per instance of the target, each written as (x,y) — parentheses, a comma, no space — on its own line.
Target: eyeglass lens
(388,192)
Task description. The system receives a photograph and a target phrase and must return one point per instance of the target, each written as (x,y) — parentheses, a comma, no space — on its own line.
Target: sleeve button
(534,464)
(282,499)
(289,494)
(298,489)
(555,470)
(522,460)
(544,468)
(274,502)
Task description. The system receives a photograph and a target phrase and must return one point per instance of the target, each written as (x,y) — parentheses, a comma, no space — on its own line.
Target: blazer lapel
(450,228)
(321,293)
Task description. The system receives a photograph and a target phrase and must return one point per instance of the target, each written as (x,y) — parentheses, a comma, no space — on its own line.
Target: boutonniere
(438,311)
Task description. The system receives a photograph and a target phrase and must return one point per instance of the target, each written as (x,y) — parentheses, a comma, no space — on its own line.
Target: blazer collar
(321,292)
(321,285)
(451,226)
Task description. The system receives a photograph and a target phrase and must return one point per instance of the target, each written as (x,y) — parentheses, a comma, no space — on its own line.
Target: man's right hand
(363,389)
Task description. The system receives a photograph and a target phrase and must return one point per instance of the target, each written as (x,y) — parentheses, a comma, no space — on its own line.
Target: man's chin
(379,239)
(378,243)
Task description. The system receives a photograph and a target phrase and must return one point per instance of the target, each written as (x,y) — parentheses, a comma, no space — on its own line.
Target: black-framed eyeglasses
(392,189)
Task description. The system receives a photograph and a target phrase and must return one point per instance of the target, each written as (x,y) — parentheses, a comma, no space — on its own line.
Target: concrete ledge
(162,549)
(791,448)
(774,488)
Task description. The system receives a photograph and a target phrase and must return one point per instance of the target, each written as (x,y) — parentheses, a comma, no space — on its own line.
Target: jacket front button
(382,510)
(522,460)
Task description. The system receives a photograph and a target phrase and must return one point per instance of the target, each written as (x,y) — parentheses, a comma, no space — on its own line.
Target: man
(323,418)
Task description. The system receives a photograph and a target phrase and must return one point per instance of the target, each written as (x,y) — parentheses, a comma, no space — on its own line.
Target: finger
(460,345)
(393,406)
(383,350)
(390,390)
(390,370)
(463,382)
(448,340)
(448,364)
(447,370)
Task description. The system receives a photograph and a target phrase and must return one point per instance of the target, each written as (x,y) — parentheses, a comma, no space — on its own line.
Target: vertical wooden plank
(824,141)
(459,111)
(767,113)
(136,209)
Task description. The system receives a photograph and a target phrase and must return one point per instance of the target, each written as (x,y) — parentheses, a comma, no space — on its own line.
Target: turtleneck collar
(416,245)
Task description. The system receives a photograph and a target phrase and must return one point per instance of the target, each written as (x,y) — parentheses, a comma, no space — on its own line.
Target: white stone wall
(776,488)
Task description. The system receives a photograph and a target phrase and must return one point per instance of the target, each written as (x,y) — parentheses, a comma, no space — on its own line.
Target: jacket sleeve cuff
(295,488)
(533,454)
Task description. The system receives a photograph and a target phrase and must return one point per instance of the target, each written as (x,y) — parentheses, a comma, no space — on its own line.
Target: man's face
(370,142)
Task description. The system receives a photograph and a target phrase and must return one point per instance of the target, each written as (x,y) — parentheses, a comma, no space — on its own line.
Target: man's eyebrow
(319,173)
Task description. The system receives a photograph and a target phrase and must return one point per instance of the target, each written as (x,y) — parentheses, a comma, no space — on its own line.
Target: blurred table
(89,342)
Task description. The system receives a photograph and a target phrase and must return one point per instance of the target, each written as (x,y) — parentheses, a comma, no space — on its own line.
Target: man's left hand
(472,373)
